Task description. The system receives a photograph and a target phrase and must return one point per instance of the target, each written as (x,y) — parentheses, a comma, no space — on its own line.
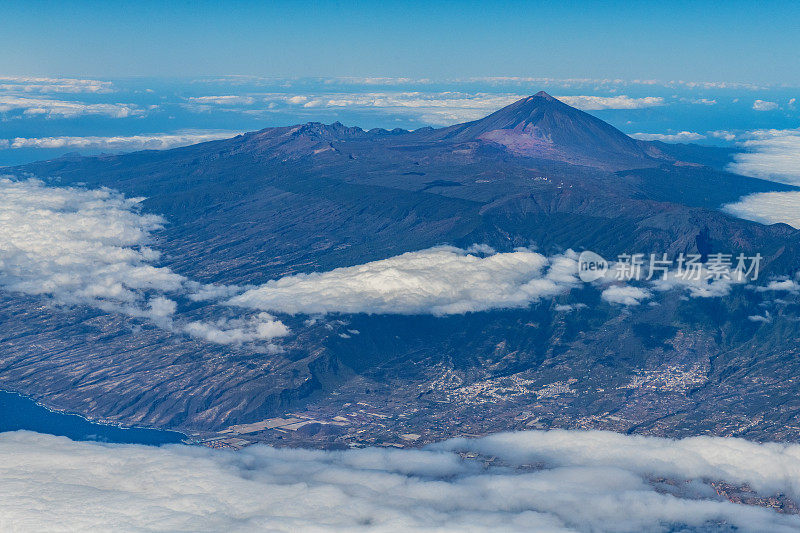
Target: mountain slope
(312,198)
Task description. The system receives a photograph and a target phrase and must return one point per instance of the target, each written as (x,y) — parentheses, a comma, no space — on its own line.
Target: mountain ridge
(538,126)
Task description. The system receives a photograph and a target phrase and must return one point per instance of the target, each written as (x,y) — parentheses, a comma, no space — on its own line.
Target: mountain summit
(543,126)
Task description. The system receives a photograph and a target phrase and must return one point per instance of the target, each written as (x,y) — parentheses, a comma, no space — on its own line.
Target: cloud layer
(440,281)
(133,142)
(29,84)
(584,481)
(768,208)
(90,247)
(79,245)
(594,103)
(772,155)
(51,108)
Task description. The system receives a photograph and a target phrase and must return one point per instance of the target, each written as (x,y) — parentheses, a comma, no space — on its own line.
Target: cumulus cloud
(625,295)
(260,327)
(160,141)
(768,208)
(64,109)
(765,105)
(440,281)
(90,247)
(81,245)
(772,155)
(594,103)
(680,137)
(585,481)
(30,84)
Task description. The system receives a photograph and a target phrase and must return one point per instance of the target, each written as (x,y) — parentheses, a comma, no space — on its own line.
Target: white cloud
(625,295)
(786,285)
(260,327)
(90,247)
(223,100)
(768,208)
(765,318)
(723,134)
(765,105)
(594,103)
(82,245)
(440,281)
(568,308)
(587,481)
(680,137)
(64,109)
(772,155)
(704,101)
(160,141)
(30,84)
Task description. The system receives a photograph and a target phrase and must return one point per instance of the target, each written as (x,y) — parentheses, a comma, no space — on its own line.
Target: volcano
(544,127)
(315,197)
(538,126)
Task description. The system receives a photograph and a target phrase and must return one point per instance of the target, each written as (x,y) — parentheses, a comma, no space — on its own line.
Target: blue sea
(18,412)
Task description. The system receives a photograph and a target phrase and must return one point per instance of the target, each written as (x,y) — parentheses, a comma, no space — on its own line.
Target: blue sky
(712,41)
